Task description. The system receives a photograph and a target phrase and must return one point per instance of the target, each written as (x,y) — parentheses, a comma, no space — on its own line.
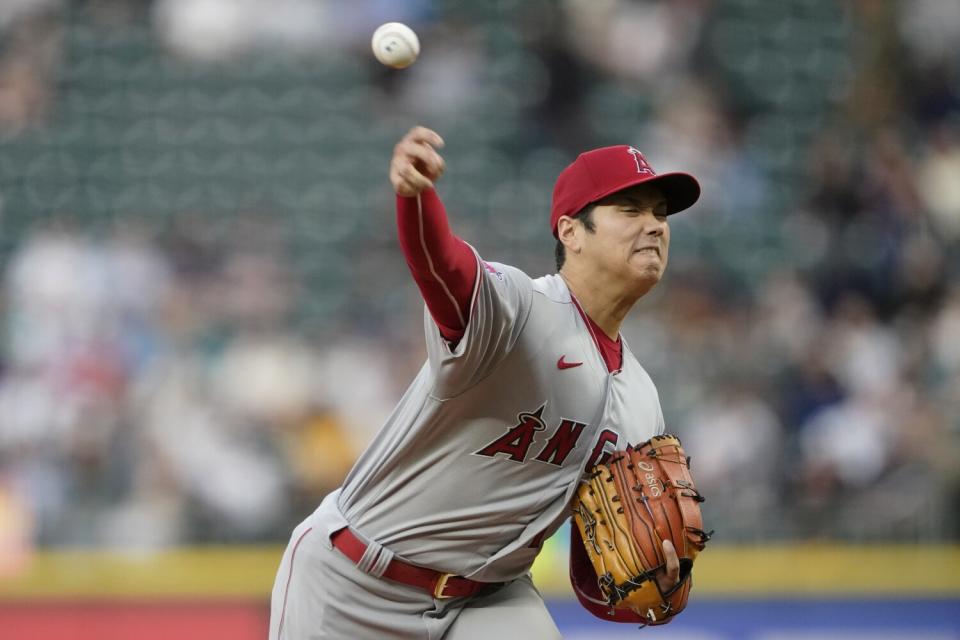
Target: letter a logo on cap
(642,166)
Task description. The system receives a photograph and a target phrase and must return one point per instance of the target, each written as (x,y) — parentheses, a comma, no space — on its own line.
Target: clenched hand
(416,165)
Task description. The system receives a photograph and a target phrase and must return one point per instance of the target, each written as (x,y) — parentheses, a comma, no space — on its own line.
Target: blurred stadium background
(205,314)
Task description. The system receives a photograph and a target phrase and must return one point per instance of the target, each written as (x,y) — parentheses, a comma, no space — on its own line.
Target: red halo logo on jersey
(516,442)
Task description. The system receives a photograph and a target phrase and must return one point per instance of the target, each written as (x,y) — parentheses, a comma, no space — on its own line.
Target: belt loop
(370,555)
(380,566)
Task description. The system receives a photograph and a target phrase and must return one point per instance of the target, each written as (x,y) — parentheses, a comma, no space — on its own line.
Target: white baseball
(395,45)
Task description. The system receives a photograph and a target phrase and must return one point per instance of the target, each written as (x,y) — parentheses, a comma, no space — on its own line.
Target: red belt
(441,585)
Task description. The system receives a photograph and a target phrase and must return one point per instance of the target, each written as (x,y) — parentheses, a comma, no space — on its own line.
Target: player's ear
(569,232)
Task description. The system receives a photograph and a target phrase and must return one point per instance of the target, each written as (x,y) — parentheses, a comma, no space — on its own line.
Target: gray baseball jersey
(479,461)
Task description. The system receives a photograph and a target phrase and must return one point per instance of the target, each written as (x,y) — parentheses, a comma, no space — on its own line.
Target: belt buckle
(441,585)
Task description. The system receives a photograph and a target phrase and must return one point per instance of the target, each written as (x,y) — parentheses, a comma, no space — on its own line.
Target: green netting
(138,131)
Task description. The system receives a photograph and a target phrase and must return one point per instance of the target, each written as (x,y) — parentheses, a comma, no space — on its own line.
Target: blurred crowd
(160,384)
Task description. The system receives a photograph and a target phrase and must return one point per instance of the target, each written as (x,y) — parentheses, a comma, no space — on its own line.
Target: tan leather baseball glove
(625,509)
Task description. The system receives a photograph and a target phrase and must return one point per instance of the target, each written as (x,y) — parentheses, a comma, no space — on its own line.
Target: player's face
(631,238)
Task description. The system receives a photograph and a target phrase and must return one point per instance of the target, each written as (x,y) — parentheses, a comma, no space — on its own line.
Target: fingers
(422,134)
(420,144)
(408,181)
(423,155)
(416,163)
(671,572)
(673,561)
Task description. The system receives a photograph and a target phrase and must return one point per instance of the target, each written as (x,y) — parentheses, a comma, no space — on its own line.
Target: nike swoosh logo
(563,364)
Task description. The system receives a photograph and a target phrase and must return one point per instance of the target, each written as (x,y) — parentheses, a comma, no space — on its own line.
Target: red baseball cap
(596,174)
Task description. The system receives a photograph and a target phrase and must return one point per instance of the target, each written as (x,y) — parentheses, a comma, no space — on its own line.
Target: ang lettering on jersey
(517,442)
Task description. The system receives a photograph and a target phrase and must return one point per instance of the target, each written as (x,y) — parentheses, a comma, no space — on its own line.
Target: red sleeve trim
(443,266)
(461,322)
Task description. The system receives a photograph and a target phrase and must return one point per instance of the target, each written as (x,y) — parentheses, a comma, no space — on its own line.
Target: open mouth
(649,250)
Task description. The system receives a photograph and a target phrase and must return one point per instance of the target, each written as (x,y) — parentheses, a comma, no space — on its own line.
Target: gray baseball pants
(320,594)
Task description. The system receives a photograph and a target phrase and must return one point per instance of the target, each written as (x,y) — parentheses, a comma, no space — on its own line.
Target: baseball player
(527,383)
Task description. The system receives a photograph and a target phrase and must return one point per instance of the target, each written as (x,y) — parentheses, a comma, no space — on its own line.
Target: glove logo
(650,478)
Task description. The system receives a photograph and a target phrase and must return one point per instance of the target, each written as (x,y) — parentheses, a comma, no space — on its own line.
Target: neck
(605,303)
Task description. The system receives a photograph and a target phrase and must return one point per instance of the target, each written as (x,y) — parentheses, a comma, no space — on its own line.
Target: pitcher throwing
(527,384)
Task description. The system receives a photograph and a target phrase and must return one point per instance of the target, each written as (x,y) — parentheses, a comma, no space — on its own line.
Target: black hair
(585,216)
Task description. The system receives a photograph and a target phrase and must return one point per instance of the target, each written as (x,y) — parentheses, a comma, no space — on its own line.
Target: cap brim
(680,189)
